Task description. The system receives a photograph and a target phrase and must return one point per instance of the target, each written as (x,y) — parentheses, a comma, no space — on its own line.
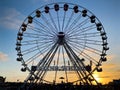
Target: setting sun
(96,76)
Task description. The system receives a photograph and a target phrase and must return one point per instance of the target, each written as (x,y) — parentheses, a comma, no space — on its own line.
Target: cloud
(110,65)
(105,77)
(118,70)
(11,19)
(3,57)
(111,57)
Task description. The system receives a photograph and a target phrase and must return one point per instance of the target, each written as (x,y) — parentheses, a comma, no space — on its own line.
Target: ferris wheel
(61,42)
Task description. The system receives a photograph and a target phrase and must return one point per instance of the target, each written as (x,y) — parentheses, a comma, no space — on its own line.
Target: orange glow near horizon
(99,77)
(96,76)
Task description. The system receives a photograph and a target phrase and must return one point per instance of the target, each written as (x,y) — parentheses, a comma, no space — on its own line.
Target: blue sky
(14,12)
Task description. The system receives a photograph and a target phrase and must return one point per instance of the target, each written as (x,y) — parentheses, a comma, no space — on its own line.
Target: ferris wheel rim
(102,33)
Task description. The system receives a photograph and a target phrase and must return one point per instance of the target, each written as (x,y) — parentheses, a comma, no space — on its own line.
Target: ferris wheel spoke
(68,22)
(79,65)
(59,28)
(33,49)
(34,35)
(33,58)
(84,54)
(37,36)
(30,50)
(80,45)
(44,28)
(40,40)
(48,62)
(40,31)
(63,21)
(90,50)
(53,22)
(84,37)
(65,65)
(24,43)
(74,22)
(94,61)
(41,26)
(44,63)
(58,58)
(88,29)
(49,25)
(94,49)
(44,49)
(35,42)
(87,41)
(47,55)
(89,35)
(81,24)
(79,74)
(44,46)
(32,42)
(80,30)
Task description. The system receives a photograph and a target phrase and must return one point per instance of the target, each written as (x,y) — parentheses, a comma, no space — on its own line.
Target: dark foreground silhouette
(17,86)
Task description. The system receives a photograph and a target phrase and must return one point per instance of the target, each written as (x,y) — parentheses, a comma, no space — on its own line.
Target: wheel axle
(61,39)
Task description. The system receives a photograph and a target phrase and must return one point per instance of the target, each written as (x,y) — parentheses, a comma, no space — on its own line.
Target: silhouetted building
(2,79)
(116,81)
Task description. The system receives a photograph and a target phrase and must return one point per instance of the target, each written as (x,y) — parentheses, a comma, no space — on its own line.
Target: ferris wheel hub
(61,37)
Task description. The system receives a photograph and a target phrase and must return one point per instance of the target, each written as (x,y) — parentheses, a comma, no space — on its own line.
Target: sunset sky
(13,13)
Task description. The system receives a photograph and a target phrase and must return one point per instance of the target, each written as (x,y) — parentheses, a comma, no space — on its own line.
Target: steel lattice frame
(61,34)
